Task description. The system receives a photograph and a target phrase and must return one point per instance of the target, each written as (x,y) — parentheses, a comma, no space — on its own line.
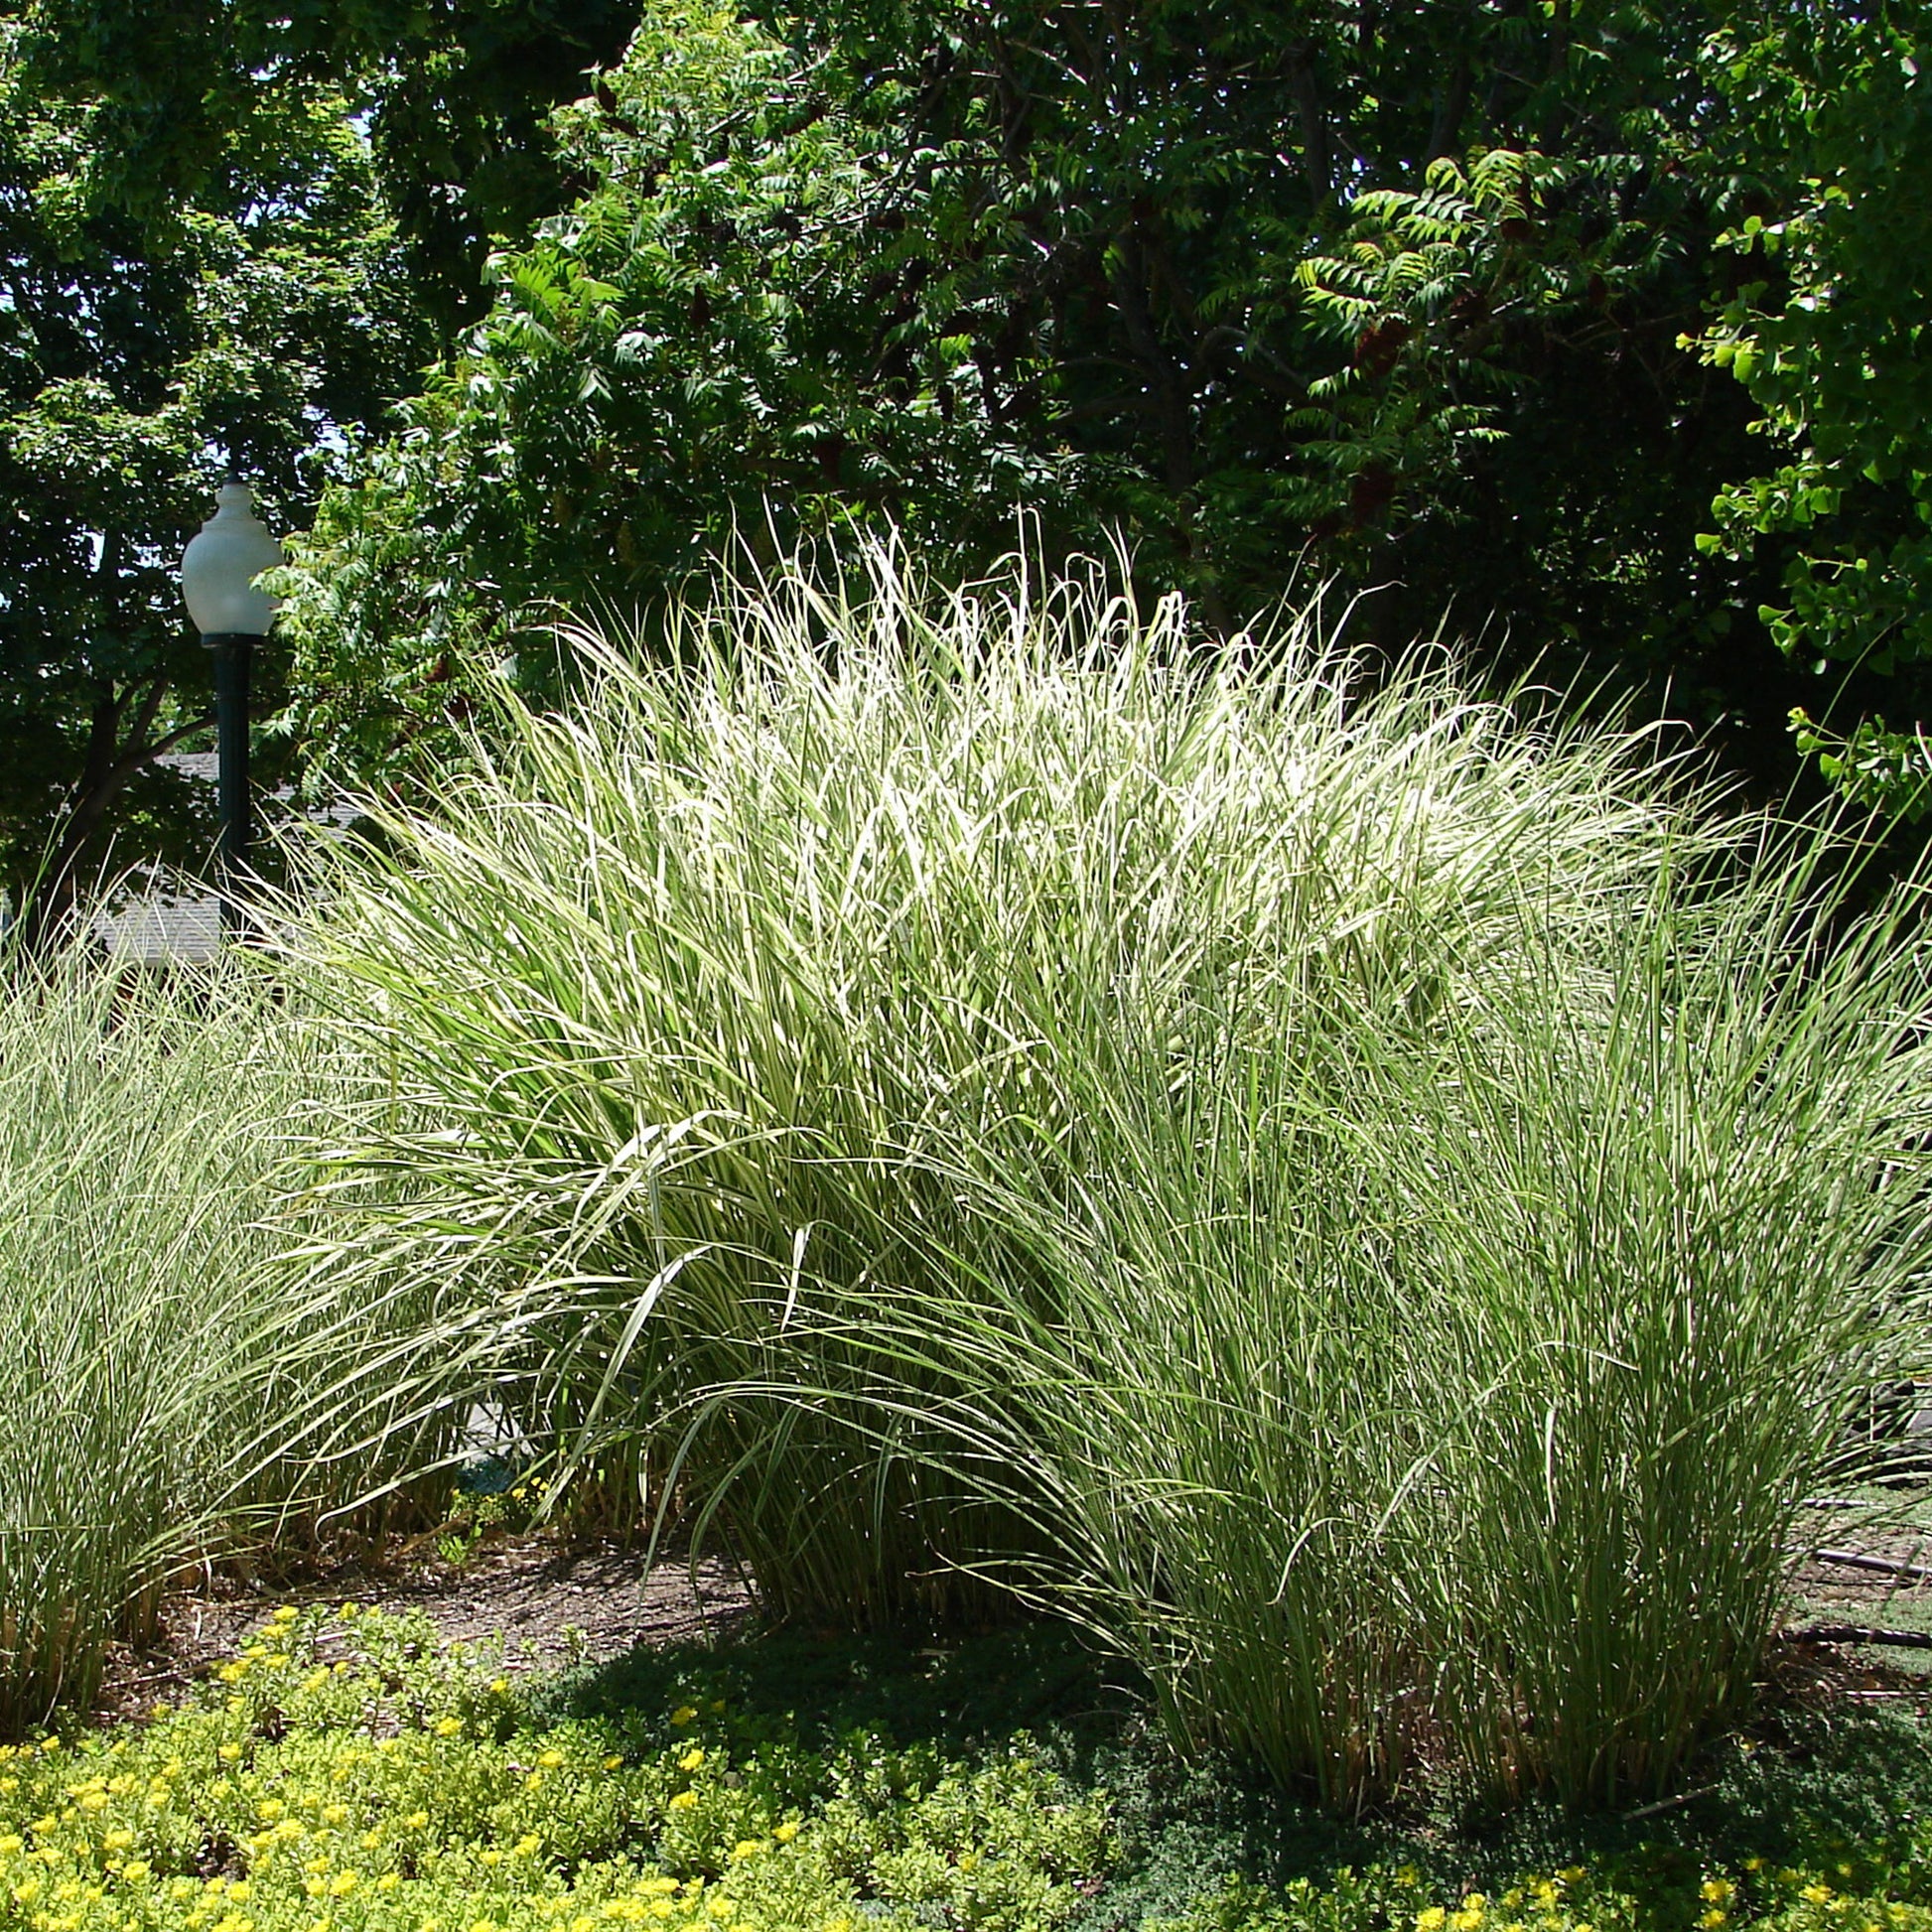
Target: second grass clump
(1376,1203)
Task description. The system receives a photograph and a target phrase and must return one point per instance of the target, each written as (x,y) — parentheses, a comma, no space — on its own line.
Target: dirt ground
(552,1602)
(1829,1592)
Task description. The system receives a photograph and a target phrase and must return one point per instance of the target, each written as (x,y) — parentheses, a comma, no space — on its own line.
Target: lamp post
(217,579)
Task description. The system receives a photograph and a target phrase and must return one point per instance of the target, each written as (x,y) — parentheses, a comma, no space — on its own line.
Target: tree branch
(1318,164)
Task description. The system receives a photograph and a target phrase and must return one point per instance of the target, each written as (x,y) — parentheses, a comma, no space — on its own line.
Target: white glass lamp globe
(220,567)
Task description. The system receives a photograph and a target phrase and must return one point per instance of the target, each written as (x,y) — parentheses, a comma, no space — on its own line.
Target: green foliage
(1380,1381)
(452,98)
(344,1770)
(1826,335)
(164,1390)
(1364,1201)
(1215,279)
(238,323)
(1158,189)
(1417,300)
(477,1514)
(960,1695)
(706,342)
(1439,298)
(234,233)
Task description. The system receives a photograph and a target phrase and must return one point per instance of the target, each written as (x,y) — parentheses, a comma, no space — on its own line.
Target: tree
(141,353)
(231,231)
(1830,332)
(728,332)
(454,97)
(1399,293)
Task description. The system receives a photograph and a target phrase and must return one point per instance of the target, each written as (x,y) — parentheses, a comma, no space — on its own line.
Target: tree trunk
(113,757)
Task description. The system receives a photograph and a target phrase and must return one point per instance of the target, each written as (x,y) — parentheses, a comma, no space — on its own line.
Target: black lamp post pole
(219,570)
(232,651)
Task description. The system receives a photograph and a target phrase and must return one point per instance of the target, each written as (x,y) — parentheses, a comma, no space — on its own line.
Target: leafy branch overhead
(536,305)
(1270,292)
(1831,332)
(1435,297)
(731,331)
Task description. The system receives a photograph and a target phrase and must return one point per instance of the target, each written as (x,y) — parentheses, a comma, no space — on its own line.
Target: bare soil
(1830,1592)
(1825,1594)
(550,1602)
(553,1601)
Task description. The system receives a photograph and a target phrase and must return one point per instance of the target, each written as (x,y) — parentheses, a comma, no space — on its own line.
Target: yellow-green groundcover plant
(1570,1899)
(344,1774)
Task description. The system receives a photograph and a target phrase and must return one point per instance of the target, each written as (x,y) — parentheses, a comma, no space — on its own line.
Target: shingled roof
(183,920)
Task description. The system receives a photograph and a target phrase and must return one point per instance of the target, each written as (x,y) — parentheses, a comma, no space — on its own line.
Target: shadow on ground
(1817,1776)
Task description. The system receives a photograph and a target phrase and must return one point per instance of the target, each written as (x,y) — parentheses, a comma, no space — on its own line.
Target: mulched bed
(551,1601)
(555,1602)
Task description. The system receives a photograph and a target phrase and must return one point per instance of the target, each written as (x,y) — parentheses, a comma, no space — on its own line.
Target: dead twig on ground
(1883,1566)
(1861,1633)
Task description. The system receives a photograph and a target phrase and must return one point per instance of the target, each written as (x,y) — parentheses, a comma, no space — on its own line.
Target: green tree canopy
(140,354)
(1450,300)
(454,97)
(731,325)
(234,233)
(1410,294)
(1830,329)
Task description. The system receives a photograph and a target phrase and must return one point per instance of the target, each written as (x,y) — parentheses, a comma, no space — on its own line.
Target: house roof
(181,919)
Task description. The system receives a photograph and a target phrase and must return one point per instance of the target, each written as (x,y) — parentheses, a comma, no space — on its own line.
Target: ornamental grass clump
(134,1115)
(1678,1225)
(165,1393)
(1444,1387)
(1376,1203)
(689,1003)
